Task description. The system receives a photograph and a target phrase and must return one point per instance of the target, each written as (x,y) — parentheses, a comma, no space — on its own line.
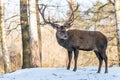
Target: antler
(69,22)
(42,12)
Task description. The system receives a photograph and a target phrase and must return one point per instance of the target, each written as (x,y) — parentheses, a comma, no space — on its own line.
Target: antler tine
(69,22)
(76,7)
(71,8)
(42,12)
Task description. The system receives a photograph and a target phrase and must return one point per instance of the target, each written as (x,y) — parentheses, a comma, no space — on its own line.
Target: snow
(85,73)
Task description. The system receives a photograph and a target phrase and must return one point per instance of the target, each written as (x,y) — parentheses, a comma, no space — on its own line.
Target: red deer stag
(75,40)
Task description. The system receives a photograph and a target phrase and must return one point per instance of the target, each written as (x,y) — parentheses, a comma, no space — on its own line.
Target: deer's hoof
(74,69)
(68,68)
(98,72)
(106,72)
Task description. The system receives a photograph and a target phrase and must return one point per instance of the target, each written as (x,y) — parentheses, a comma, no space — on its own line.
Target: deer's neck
(62,42)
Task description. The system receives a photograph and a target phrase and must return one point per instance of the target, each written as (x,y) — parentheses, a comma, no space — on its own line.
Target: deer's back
(86,40)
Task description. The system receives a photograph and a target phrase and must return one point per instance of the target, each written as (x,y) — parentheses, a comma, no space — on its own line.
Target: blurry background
(94,15)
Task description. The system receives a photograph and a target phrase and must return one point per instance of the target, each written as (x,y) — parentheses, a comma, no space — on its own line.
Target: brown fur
(84,40)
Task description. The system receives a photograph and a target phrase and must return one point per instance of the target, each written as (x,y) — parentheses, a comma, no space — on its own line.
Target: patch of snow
(85,73)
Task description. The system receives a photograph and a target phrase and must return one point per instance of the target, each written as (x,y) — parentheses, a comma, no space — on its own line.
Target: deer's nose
(65,37)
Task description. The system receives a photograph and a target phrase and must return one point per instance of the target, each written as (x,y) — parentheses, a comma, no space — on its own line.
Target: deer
(74,39)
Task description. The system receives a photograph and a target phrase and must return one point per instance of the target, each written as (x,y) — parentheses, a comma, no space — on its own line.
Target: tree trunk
(0,30)
(34,35)
(6,57)
(39,32)
(117,8)
(25,33)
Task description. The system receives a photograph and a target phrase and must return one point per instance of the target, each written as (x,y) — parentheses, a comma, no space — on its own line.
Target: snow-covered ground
(85,73)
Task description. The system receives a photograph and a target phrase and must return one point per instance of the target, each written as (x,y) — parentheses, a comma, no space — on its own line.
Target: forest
(27,42)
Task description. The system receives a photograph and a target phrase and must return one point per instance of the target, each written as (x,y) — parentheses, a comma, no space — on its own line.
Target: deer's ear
(56,27)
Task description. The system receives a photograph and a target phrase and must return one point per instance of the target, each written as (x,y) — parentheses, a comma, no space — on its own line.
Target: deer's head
(61,29)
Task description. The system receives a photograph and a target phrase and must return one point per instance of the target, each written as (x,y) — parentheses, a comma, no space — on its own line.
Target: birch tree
(25,33)
(34,36)
(117,8)
(6,57)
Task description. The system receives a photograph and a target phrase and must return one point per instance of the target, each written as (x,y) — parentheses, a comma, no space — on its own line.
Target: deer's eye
(56,27)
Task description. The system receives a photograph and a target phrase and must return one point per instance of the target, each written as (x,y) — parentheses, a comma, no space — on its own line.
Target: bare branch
(9,31)
(111,2)
(102,6)
(11,17)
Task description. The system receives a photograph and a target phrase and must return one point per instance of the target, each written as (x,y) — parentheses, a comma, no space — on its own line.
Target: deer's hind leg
(76,51)
(104,56)
(98,54)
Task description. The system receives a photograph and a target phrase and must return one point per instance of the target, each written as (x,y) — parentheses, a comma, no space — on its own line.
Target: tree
(117,8)
(25,33)
(6,57)
(39,32)
(35,40)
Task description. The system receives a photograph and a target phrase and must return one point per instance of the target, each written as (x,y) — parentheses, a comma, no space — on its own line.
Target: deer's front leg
(69,58)
(76,51)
